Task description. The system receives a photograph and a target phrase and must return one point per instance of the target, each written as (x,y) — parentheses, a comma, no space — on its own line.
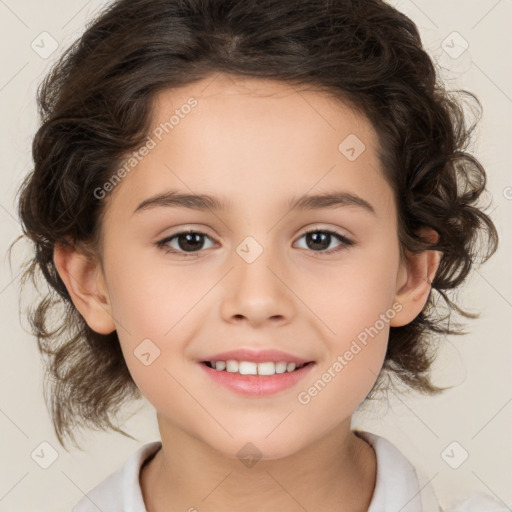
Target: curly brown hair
(95,107)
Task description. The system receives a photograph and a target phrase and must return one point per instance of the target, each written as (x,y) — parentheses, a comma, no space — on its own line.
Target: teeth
(231,366)
(250,368)
(281,367)
(247,368)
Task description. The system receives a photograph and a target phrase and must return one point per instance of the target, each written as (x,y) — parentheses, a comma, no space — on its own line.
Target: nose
(258,291)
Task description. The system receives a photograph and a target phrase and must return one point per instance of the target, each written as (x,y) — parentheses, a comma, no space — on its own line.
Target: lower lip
(257,385)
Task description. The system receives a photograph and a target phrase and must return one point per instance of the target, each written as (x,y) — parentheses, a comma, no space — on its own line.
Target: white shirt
(398,487)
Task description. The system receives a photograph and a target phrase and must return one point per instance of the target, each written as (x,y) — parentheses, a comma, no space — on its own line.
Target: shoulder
(401,486)
(476,502)
(120,491)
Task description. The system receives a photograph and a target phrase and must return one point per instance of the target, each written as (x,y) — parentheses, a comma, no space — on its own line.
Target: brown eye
(320,241)
(184,242)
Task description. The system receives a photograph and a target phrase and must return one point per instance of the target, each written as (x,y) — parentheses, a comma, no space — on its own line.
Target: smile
(252,368)
(256,379)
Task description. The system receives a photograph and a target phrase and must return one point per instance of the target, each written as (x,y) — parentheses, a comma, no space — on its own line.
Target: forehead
(251,140)
(238,102)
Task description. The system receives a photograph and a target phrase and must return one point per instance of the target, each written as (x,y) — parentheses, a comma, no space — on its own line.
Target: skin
(256,142)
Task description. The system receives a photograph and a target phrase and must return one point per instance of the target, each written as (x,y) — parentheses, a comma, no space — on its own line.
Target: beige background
(477,413)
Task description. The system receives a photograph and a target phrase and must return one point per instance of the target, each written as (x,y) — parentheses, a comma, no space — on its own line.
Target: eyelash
(162,244)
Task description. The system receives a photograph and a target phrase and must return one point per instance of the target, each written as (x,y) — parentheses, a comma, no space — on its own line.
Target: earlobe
(414,282)
(84,281)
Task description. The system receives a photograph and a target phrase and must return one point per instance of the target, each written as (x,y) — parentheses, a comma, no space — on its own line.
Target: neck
(335,474)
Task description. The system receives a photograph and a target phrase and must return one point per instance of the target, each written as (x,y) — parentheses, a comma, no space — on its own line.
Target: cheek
(157,310)
(358,293)
(355,353)
(147,313)
(357,310)
(152,299)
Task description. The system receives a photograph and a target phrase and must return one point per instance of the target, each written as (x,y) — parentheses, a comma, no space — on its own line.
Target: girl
(251,211)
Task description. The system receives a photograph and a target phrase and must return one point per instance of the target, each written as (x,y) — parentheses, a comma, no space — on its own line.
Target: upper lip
(256,356)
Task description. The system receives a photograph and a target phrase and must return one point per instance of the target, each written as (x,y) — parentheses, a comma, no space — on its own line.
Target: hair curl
(95,107)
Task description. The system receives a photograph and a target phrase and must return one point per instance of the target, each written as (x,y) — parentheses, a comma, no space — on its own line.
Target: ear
(414,281)
(84,280)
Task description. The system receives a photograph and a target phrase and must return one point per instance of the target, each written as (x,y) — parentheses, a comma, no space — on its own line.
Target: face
(257,273)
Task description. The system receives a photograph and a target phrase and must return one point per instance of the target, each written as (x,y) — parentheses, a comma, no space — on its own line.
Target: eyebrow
(175,199)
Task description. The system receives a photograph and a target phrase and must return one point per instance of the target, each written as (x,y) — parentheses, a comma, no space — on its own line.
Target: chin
(251,449)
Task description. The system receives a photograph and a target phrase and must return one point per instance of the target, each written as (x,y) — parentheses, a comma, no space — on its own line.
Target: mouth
(256,380)
(264,368)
